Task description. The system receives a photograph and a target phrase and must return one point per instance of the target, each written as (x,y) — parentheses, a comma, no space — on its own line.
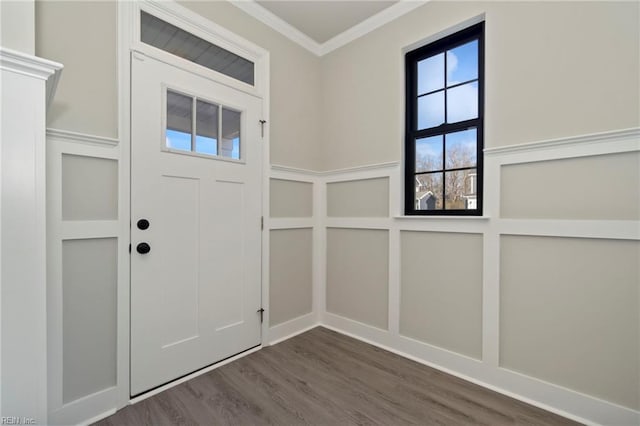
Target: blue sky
(462,101)
(204,145)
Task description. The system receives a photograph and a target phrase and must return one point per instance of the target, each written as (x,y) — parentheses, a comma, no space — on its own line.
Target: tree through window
(444,125)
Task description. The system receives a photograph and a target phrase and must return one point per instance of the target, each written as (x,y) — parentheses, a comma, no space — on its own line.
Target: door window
(213,130)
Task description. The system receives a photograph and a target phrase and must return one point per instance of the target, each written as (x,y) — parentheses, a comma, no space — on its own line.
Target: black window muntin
(475,32)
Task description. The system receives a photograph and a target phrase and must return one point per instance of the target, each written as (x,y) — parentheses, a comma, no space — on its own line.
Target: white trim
(69,136)
(123,58)
(99,402)
(99,417)
(32,66)
(286,330)
(442,34)
(280,223)
(606,229)
(377,169)
(286,170)
(29,65)
(446,218)
(625,140)
(370,24)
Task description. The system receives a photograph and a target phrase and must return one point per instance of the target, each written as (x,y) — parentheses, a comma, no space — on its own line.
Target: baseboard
(291,328)
(547,396)
(99,417)
(83,411)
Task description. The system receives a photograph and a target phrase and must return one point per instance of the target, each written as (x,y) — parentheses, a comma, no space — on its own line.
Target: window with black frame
(444,125)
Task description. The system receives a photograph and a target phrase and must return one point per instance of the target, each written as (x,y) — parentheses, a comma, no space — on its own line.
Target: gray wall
(17,19)
(81,36)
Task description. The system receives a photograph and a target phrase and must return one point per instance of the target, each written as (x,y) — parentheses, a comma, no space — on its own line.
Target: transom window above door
(165,36)
(202,127)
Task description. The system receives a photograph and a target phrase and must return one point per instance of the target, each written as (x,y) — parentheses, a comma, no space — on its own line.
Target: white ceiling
(323,26)
(323,20)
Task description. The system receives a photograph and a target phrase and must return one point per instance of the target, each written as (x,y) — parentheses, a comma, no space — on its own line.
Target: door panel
(195,294)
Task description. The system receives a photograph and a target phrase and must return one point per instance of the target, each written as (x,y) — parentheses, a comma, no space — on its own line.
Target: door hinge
(261,312)
(262,223)
(129,248)
(262,123)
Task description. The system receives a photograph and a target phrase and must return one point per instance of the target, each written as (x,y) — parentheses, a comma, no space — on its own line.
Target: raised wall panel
(441,290)
(569,314)
(598,187)
(358,198)
(89,276)
(290,274)
(290,198)
(358,275)
(89,188)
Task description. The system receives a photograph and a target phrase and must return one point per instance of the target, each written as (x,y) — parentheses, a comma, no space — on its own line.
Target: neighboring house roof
(422,194)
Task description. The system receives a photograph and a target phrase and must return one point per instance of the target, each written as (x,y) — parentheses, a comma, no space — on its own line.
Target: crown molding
(34,67)
(252,8)
(372,23)
(271,20)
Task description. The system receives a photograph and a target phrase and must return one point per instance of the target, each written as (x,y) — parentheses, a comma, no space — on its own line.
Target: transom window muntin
(214,130)
(444,126)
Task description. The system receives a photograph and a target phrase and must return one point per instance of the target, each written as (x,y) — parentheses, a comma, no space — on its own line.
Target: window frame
(474,32)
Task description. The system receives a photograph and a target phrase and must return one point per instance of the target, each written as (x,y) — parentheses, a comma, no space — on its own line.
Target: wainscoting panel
(290,198)
(86,257)
(441,290)
(357,275)
(602,187)
(291,274)
(358,198)
(569,313)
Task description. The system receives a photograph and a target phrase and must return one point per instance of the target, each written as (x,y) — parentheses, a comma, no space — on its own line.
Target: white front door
(196,261)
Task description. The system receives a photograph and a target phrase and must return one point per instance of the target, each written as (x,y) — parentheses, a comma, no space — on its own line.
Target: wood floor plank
(324,378)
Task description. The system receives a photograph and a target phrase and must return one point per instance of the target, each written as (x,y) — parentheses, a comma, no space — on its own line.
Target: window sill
(420,217)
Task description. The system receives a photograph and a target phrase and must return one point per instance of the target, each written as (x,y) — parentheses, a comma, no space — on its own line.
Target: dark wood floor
(324,378)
